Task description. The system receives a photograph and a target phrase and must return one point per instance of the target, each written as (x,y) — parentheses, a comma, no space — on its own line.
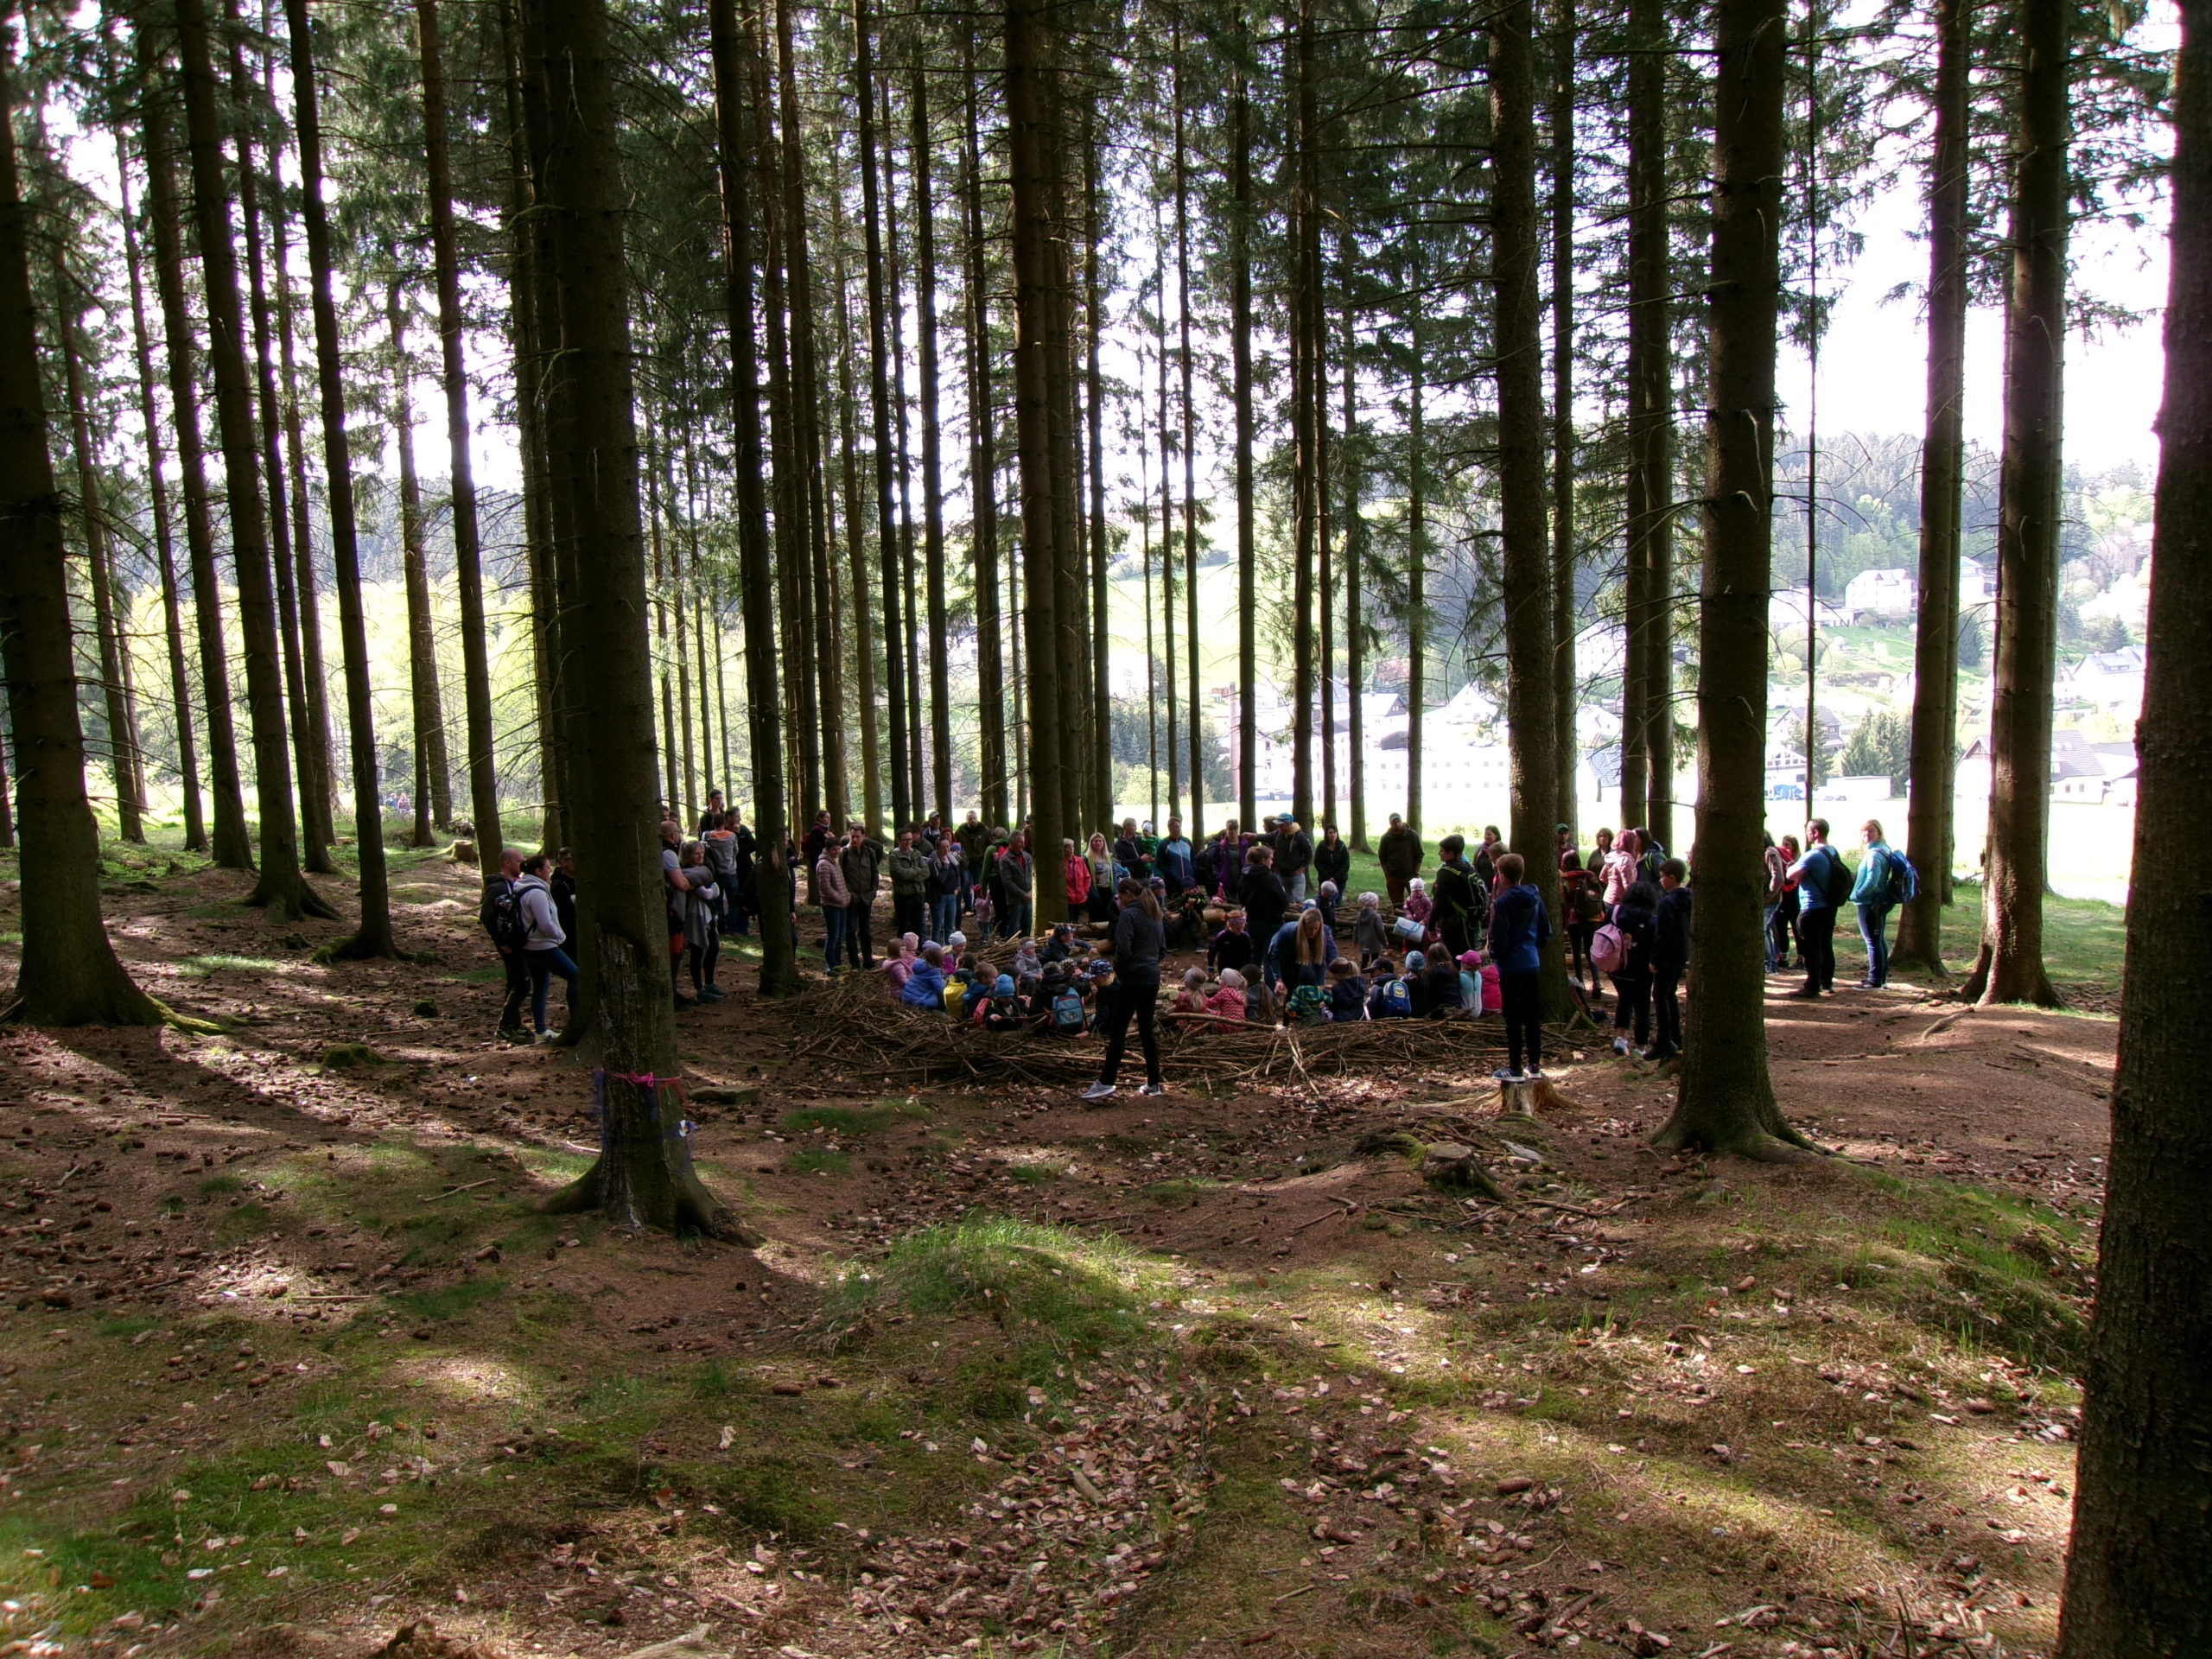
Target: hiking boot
(1098,1091)
(683,1002)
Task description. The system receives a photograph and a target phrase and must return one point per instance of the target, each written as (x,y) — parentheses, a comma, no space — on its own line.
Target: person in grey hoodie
(541,948)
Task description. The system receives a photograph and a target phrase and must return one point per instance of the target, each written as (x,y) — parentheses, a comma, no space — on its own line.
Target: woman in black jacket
(1333,862)
(1262,894)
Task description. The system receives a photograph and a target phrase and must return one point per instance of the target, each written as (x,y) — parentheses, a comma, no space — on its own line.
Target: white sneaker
(1151,1089)
(1620,1044)
(1535,1074)
(547,1037)
(1098,1091)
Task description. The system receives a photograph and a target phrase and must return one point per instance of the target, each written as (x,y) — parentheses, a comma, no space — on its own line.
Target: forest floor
(288,1359)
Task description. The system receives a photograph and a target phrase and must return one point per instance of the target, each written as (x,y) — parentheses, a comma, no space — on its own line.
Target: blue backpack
(1901,882)
(1392,1000)
(1067,1012)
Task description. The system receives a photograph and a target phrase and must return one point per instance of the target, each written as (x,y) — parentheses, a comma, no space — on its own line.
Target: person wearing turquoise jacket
(1870,894)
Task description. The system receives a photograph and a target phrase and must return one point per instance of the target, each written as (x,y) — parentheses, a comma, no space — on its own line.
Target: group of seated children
(1052,987)
(1428,988)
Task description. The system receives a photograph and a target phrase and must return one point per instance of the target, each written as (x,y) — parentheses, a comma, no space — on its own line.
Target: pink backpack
(1608,950)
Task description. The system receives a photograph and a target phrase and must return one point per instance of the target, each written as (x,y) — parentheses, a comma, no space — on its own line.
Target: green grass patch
(217,1186)
(854,1120)
(236,1226)
(1035,1174)
(1183,1189)
(219,962)
(1069,1291)
(450,1301)
(818,1160)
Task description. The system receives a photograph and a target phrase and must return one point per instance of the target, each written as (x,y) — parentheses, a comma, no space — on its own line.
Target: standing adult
(1782,926)
(719,842)
(1173,863)
(1128,852)
(818,836)
(1620,867)
(499,914)
(715,808)
(974,836)
(1520,929)
(1075,870)
(1294,857)
(1018,880)
(1262,893)
(1870,894)
(747,902)
(1100,859)
(863,868)
(676,892)
(948,886)
(1775,883)
(562,881)
(1332,862)
(1140,940)
(1462,901)
(835,900)
(1573,882)
(910,885)
(1822,884)
(1401,853)
(1485,855)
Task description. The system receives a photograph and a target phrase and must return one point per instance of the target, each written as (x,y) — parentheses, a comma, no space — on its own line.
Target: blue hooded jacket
(924,987)
(1520,927)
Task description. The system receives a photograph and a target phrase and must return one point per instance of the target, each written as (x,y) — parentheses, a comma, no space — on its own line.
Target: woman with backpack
(1140,940)
(1782,916)
(1621,950)
(1885,880)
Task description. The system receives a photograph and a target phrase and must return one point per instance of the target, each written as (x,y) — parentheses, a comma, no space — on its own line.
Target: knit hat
(1232,980)
(1415,962)
(1002,986)
(957,938)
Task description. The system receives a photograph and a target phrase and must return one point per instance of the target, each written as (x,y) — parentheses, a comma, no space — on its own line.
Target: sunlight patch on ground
(468,1378)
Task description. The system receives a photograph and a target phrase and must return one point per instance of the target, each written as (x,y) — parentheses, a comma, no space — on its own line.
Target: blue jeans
(1873,920)
(833,943)
(1018,914)
(1766,931)
(947,919)
(543,964)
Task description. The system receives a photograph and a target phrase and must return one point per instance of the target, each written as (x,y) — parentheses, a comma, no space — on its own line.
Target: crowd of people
(1261,909)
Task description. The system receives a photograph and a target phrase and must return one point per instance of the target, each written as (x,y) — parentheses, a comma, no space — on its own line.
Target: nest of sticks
(852,1026)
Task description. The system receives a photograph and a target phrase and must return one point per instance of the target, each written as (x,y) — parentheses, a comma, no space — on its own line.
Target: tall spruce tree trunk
(806,359)
(932,456)
(1195,830)
(467,535)
(912,645)
(2143,1484)
(763,715)
(1416,558)
(316,803)
(1070,600)
(1726,1099)
(896,640)
(1101,728)
(373,937)
(1031,131)
(1516,328)
(1167,525)
(315,831)
(1240,374)
(1942,466)
(122,727)
(1353,463)
(856,517)
(1650,414)
(68,974)
(643,1175)
(433,790)
(1564,630)
(2010,967)
(282,886)
(228,844)
(982,467)
(157,493)
(1305,208)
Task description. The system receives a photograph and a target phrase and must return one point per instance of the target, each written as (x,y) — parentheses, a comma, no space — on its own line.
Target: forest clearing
(535,533)
(294,1361)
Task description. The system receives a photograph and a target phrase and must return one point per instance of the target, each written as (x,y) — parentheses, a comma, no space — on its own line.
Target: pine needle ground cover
(288,1359)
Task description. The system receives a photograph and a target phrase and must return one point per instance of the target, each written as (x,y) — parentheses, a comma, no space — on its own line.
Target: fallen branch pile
(850,1025)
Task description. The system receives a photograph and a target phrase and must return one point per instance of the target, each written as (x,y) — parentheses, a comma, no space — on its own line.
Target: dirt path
(290,1360)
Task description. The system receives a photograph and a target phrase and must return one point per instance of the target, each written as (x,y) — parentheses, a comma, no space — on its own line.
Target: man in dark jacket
(910,887)
(1018,880)
(1401,853)
(1294,857)
(863,866)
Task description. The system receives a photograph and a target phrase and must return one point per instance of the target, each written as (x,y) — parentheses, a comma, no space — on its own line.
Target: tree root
(693,1209)
(361,947)
(290,900)
(1756,1145)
